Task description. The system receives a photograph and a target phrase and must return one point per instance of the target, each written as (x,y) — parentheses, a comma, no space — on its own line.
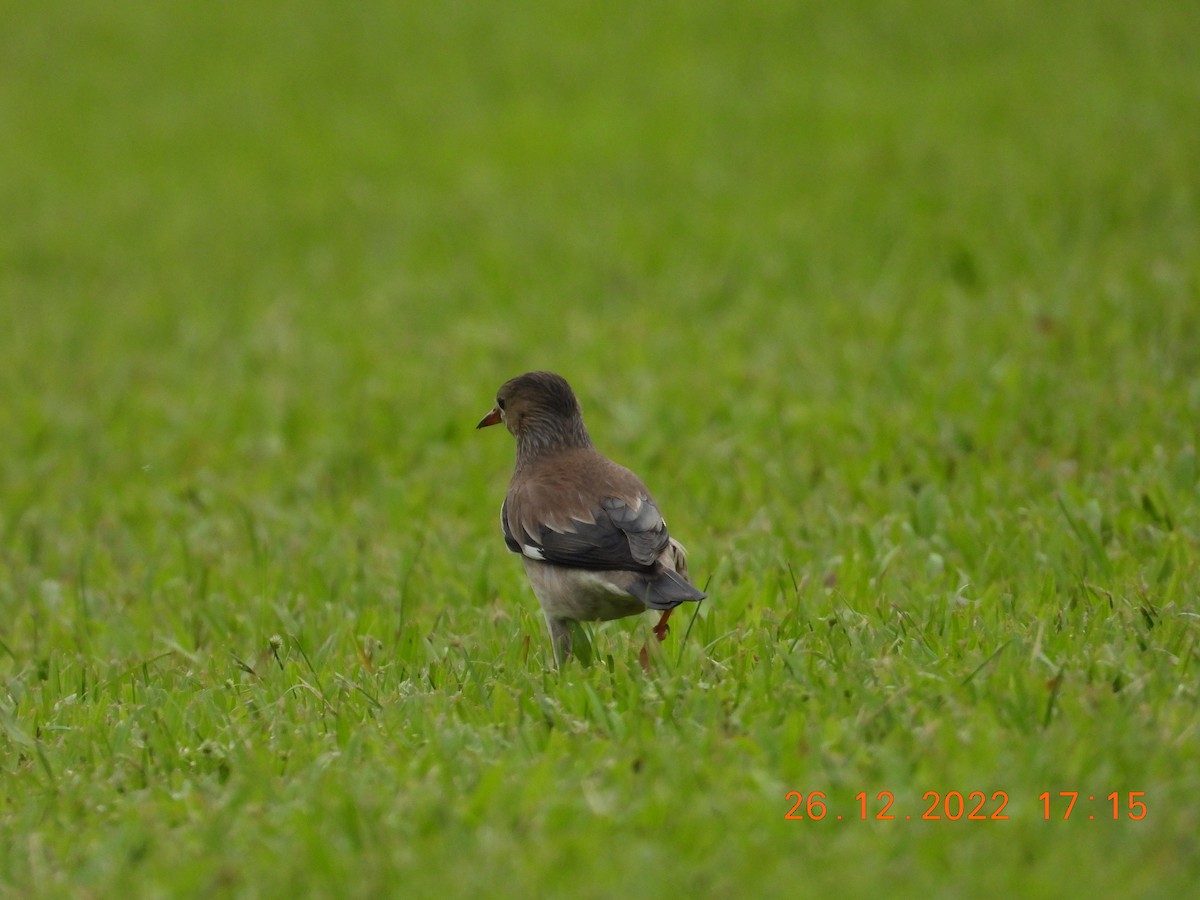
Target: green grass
(896,307)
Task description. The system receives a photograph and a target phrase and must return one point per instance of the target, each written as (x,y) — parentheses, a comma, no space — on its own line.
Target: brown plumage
(591,537)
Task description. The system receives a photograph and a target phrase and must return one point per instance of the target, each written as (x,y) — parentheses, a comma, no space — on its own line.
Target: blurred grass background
(893,306)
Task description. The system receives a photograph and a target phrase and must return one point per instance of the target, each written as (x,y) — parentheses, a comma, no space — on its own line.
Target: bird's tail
(665,589)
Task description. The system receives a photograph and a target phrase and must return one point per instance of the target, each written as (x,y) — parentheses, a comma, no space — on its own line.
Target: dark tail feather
(665,589)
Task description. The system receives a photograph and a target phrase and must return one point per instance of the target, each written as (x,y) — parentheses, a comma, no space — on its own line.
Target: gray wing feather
(509,540)
(643,527)
(621,537)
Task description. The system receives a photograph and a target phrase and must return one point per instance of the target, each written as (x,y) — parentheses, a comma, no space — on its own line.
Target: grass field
(896,307)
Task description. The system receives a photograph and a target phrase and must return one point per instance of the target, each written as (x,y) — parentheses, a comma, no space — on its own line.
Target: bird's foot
(644,660)
(662,629)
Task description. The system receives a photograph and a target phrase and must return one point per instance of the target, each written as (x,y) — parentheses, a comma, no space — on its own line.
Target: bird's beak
(492,418)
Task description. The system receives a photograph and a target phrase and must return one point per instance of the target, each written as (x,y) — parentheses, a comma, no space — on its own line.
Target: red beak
(492,418)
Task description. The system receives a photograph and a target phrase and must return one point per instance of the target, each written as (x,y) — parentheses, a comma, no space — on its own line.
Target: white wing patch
(532,552)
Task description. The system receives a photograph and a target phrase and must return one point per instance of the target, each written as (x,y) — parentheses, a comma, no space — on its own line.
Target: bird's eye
(500,403)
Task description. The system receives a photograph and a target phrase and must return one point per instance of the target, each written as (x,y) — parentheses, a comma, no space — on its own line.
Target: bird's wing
(556,521)
(621,535)
(509,540)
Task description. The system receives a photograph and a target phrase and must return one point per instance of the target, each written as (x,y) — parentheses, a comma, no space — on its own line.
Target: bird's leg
(662,628)
(560,639)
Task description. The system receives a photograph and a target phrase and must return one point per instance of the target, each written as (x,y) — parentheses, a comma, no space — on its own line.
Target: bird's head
(541,411)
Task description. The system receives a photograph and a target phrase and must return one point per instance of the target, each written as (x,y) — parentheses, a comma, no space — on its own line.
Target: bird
(591,537)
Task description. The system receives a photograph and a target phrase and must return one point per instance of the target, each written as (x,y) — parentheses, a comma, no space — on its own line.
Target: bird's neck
(539,439)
